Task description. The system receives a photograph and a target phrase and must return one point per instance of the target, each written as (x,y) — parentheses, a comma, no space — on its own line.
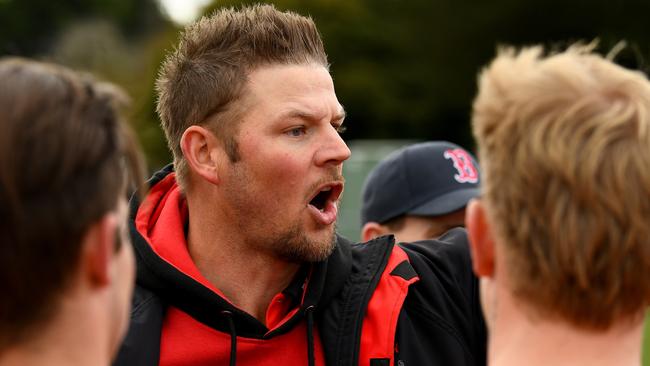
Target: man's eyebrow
(306,115)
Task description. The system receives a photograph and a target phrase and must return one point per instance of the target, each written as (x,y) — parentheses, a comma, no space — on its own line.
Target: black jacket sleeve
(441,323)
(141,346)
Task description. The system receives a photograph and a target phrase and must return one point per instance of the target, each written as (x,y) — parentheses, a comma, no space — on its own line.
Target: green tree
(122,41)
(29,27)
(407,69)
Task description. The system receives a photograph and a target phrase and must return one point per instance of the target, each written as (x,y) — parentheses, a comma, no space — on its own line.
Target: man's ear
(481,240)
(98,250)
(372,230)
(200,149)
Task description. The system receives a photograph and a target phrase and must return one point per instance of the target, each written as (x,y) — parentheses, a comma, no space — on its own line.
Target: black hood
(183,292)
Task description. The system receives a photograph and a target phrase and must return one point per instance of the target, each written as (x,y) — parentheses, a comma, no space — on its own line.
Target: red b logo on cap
(467,172)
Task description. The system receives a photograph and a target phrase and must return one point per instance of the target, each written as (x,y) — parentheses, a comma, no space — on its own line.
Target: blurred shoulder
(443,263)
(452,248)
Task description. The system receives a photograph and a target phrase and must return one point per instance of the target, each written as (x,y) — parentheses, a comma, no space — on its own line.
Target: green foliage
(402,69)
(29,27)
(97,46)
(407,69)
(122,41)
(645,361)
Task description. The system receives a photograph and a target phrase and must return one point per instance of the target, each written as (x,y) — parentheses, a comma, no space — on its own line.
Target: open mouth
(329,193)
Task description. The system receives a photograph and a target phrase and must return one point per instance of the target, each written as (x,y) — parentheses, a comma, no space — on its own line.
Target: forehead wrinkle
(312,114)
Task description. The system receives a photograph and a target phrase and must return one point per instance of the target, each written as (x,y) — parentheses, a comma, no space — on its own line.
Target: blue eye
(296,132)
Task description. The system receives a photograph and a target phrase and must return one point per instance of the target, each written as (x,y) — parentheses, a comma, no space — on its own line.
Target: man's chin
(307,249)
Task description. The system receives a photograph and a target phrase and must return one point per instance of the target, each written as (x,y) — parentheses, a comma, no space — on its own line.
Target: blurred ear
(481,240)
(99,249)
(373,230)
(201,151)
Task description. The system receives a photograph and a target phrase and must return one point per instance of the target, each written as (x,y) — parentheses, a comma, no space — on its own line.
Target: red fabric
(185,341)
(278,310)
(380,322)
(160,220)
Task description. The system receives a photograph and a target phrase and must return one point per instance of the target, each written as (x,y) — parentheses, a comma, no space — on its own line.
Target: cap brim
(446,203)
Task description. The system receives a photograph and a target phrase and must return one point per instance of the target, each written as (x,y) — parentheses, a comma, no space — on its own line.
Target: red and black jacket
(374,304)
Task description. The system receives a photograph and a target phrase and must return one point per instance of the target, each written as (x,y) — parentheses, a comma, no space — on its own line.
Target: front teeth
(326,189)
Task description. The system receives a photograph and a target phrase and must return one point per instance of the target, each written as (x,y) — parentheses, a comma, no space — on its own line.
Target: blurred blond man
(560,237)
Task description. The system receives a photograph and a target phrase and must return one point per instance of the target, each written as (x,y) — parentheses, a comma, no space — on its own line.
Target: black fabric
(439,324)
(404,270)
(293,292)
(311,359)
(233,337)
(341,322)
(141,346)
(379,362)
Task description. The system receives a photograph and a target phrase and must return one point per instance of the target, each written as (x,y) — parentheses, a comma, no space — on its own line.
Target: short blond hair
(564,143)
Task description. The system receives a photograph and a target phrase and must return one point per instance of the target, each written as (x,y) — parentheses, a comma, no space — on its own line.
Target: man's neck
(50,355)
(248,277)
(73,338)
(515,339)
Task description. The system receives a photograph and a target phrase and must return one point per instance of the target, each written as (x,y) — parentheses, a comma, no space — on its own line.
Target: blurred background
(404,70)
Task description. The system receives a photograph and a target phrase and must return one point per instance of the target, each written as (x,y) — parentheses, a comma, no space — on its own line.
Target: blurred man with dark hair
(66,263)
(419,192)
(560,237)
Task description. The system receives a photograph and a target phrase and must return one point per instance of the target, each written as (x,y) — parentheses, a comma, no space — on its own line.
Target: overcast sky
(183,11)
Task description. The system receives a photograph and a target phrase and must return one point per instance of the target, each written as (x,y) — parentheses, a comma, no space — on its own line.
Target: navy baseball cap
(425,179)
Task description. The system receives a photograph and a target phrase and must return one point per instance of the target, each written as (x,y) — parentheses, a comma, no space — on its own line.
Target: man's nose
(334,150)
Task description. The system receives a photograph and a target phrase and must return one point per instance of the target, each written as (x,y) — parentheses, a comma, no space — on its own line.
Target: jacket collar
(177,289)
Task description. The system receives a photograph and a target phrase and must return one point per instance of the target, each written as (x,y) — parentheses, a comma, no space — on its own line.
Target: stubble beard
(290,244)
(293,246)
(287,242)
